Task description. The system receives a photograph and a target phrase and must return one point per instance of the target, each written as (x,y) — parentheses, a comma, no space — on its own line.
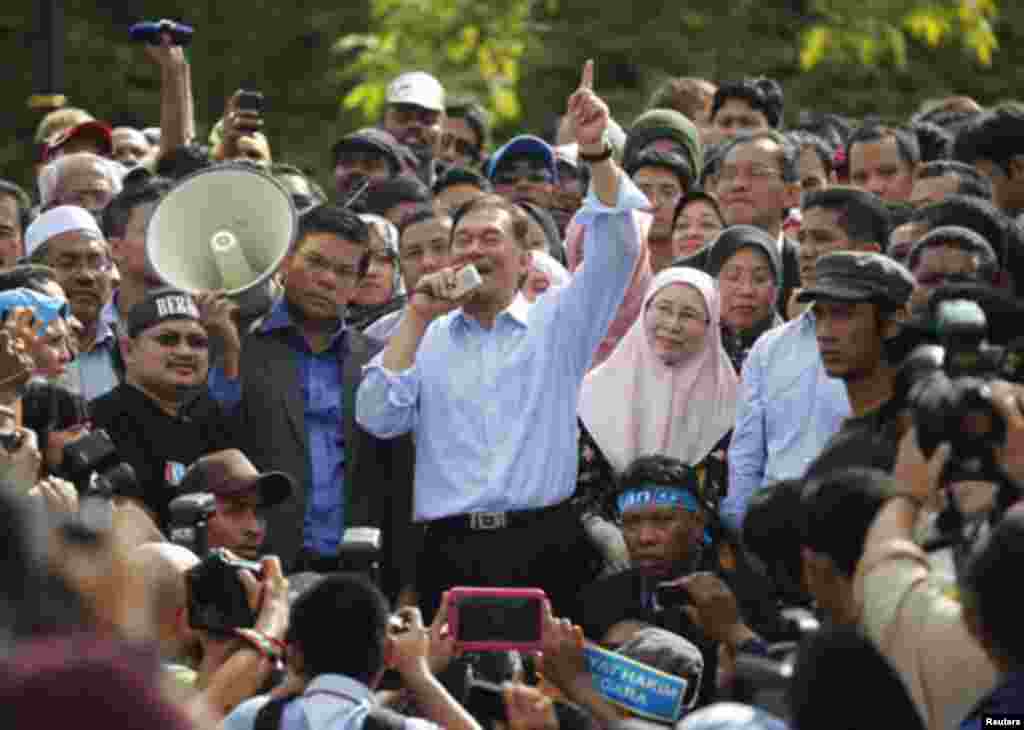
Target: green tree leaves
(474,46)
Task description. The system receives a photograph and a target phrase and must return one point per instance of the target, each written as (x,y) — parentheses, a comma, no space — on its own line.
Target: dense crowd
(740,399)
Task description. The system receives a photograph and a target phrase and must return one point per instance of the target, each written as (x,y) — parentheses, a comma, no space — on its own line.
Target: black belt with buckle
(492,521)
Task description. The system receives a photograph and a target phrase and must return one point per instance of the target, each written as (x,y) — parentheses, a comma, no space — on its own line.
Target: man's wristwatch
(605,154)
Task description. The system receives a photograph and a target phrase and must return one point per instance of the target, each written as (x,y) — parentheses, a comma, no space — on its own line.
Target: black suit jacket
(270,429)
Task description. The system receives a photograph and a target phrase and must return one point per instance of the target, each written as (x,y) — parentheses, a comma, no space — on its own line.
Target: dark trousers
(551,552)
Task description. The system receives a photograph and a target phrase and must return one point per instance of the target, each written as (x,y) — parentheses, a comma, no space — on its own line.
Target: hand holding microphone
(444,291)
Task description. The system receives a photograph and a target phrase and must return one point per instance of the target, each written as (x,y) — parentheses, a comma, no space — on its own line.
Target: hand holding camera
(20,458)
(17,336)
(527,708)
(713,607)
(59,495)
(410,644)
(1008,400)
(164,45)
(243,115)
(562,646)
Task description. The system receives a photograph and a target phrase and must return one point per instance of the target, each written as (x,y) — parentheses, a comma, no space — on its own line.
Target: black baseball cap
(160,305)
(860,277)
(376,140)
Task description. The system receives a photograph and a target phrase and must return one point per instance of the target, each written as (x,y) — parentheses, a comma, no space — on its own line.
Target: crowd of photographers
(739,403)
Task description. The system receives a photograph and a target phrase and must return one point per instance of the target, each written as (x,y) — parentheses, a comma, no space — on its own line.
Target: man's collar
(517,311)
(339,684)
(280,317)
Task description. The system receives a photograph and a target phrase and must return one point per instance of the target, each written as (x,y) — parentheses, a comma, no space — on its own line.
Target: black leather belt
(475,522)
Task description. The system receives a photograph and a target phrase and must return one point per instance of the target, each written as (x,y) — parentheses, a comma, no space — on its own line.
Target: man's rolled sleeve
(747,450)
(611,246)
(386,401)
(921,633)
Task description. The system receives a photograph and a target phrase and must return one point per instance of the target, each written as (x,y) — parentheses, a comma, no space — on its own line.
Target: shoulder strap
(269,716)
(381,718)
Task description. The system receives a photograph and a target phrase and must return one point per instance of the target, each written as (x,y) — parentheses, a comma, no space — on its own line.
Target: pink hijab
(635,405)
(632,304)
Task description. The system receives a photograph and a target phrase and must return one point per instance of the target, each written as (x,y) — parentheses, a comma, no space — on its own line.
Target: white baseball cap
(60,220)
(419,88)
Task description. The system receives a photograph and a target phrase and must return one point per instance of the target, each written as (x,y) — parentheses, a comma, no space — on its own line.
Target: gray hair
(50,176)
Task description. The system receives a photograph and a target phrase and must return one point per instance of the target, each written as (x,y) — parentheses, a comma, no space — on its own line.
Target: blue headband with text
(658,495)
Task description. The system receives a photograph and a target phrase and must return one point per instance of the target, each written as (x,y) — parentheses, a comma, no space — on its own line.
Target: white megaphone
(226,227)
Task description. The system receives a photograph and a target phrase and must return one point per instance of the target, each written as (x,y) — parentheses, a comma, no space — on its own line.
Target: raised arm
(177,125)
(588,115)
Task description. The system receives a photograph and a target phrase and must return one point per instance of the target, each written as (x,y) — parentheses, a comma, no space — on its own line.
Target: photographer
(340,663)
(242,498)
(209,671)
(929,638)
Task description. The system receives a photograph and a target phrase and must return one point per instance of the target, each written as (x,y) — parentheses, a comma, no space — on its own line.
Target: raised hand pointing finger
(587,79)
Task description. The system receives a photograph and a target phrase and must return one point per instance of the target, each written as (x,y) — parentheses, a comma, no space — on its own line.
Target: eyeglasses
(537,175)
(173,339)
(343,272)
(664,312)
(461,146)
(758,174)
(70,263)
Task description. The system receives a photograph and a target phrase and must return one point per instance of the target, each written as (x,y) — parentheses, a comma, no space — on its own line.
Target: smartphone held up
(496,619)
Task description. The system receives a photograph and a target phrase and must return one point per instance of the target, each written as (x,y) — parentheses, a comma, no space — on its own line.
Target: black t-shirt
(158,446)
(868,441)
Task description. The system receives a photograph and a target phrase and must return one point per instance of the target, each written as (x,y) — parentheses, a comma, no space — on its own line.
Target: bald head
(164,565)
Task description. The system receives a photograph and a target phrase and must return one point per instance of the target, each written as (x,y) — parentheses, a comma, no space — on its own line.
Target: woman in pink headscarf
(668,389)
(629,310)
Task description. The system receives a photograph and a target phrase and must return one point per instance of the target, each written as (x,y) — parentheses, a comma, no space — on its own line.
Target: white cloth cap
(59,220)
(419,88)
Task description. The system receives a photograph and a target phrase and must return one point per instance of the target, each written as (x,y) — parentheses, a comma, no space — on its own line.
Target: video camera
(190,515)
(93,465)
(217,599)
(945,384)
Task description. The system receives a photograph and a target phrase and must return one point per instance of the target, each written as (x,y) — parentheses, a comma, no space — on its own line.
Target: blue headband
(43,306)
(658,495)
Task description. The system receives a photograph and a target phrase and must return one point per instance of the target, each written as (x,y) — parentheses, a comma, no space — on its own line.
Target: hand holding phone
(150,32)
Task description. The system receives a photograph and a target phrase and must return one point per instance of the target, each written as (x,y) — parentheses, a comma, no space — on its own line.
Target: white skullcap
(59,220)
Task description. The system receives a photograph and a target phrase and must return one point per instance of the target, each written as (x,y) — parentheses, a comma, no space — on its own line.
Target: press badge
(635,686)
(174,473)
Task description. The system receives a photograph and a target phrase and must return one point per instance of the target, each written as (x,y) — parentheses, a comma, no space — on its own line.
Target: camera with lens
(93,465)
(217,599)
(189,521)
(359,551)
(946,386)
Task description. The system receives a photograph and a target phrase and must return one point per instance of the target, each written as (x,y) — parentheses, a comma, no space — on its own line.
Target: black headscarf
(729,242)
(547,223)
(733,239)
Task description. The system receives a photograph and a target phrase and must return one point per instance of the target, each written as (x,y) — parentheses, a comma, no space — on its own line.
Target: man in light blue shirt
(490,390)
(339,663)
(789,407)
(787,411)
